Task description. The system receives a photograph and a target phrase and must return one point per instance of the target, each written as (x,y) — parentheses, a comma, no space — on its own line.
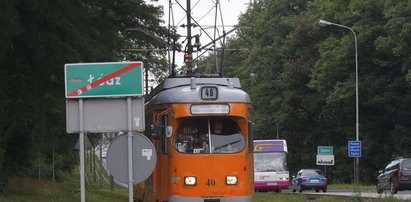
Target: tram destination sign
(115,79)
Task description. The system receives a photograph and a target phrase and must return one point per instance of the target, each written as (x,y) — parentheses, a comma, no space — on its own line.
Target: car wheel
(325,189)
(300,189)
(317,190)
(393,187)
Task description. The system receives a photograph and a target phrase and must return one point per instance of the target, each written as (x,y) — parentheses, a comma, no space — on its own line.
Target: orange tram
(201,129)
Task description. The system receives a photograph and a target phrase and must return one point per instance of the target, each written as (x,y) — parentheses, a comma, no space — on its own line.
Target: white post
(81,124)
(130,151)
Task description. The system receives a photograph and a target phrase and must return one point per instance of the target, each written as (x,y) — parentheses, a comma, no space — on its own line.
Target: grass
(34,190)
(28,190)
(350,186)
(270,197)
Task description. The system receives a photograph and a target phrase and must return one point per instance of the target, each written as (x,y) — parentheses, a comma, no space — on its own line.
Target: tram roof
(173,90)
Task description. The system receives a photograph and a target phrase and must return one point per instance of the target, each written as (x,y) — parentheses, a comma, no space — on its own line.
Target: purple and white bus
(270,165)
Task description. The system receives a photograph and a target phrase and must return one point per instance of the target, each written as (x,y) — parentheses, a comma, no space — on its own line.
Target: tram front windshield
(209,135)
(270,162)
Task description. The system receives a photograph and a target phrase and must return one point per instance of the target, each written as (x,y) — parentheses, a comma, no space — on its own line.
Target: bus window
(193,136)
(270,162)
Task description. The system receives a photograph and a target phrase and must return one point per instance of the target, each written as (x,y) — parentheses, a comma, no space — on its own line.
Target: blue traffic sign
(354,148)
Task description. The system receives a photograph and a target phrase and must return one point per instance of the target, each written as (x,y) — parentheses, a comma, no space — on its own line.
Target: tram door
(162,160)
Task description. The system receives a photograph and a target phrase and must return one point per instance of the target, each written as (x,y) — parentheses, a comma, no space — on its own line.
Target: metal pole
(189,46)
(130,150)
(277,131)
(90,159)
(54,175)
(215,32)
(81,124)
(94,164)
(357,124)
(101,163)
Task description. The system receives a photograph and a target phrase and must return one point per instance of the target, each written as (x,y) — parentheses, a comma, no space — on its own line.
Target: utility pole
(189,55)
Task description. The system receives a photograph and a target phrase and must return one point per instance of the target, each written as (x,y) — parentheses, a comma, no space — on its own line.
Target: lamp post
(357,125)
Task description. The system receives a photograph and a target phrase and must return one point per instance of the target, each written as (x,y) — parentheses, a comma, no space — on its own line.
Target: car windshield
(196,135)
(311,172)
(406,164)
(270,162)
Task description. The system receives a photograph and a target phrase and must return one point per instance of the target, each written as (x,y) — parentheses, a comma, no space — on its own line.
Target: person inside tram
(193,136)
(199,144)
(218,128)
(224,144)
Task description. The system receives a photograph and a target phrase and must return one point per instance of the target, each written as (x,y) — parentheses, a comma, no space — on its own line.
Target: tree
(37,39)
(305,78)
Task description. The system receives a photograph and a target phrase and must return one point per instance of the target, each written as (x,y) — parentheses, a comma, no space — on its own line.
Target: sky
(204,12)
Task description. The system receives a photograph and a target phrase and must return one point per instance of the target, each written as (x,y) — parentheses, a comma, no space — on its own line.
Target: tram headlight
(231,180)
(190,180)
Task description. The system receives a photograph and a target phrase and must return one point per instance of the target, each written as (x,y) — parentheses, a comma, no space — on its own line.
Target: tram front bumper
(211,199)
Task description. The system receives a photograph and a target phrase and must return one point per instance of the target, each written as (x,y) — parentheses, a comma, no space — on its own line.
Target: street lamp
(357,125)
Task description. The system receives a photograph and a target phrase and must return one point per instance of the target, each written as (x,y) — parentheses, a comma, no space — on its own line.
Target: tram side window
(193,136)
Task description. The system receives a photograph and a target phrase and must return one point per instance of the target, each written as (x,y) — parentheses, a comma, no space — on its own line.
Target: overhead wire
(169,38)
(174,42)
(216,37)
(222,22)
(194,20)
(208,12)
(222,45)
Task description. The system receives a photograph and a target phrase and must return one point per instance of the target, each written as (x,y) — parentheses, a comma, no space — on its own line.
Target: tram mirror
(169,130)
(156,130)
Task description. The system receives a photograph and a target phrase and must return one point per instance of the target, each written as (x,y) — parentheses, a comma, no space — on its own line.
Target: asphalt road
(361,193)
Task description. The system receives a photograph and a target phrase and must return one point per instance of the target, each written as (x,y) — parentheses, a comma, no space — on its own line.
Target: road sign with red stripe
(116,79)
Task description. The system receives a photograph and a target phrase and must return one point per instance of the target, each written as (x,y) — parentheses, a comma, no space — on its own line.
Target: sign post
(354,148)
(325,156)
(81,136)
(103,80)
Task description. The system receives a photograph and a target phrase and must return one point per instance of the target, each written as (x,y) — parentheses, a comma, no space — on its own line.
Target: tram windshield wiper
(225,145)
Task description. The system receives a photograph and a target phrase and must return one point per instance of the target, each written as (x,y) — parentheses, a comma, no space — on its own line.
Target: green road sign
(114,79)
(328,150)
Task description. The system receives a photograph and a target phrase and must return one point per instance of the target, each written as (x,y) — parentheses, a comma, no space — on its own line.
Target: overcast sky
(204,12)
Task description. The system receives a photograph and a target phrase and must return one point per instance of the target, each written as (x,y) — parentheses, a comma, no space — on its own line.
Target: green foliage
(36,40)
(303,78)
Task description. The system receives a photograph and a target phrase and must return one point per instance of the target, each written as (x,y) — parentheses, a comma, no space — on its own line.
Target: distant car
(396,176)
(308,179)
